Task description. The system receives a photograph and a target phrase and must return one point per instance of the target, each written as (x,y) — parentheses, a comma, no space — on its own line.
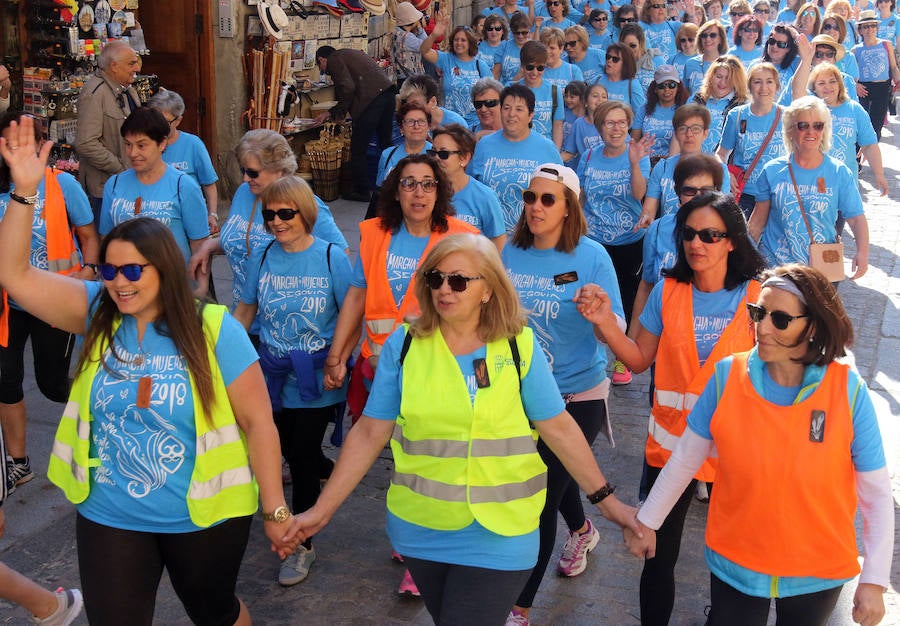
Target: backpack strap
(407,340)
(555,99)
(514,348)
(328,260)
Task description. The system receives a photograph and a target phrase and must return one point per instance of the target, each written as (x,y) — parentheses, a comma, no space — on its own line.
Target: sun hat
(273,18)
(867,16)
(407,14)
(828,40)
(559,174)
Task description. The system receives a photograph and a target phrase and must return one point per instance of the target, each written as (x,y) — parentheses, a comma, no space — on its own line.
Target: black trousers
(876,103)
(731,607)
(376,119)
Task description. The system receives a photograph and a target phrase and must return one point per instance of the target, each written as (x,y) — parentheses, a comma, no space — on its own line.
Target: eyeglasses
(689,192)
(613,59)
(600,18)
(131,271)
(694,129)
(409,184)
(669,84)
(627,20)
(738,14)
(173,120)
(778,44)
(249,173)
(825,54)
(780,319)
(830,27)
(761,11)
(570,44)
(866,26)
(498,29)
(415,123)
(611,124)
(443,155)
(531,67)
(817,126)
(285,215)
(707,235)
(485,103)
(521,33)
(435,280)
(712,35)
(547,199)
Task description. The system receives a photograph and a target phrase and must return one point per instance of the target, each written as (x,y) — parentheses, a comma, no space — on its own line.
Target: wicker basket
(270,123)
(325,156)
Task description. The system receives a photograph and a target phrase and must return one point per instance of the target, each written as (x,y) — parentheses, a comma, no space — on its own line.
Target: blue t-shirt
(189,155)
(147,454)
(659,124)
(662,37)
(298,295)
(583,137)
(694,70)
(716,108)
(628,91)
(866,453)
(491,55)
(825,190)
(712,311)
(660,250)
(679,61)
(850,126)
(746,56)
(458,78)
(661,184)
(591,65)
(562,75)
(477,204)
(609,208)
(452,117)
(78,210)
(404,254)
(849,66)
(576,357)
(647,65)
(510,61)
(873,61)
(174,200)
(473,545)
(601,42)
(544,112)
(506,167)
(889,27)
(391,156)
(744,133)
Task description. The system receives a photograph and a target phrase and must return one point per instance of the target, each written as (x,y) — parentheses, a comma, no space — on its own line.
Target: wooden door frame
(207,67)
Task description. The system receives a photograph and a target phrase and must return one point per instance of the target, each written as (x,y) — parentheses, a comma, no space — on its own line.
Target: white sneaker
(295,568)
(70,603)
(574,557)
(516,619)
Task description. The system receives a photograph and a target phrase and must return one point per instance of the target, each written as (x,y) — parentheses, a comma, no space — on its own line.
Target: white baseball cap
(559,174)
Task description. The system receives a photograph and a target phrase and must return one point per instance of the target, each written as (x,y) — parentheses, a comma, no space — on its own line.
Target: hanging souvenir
(131,5)
(102,13)
(120,18)
(117,5)
(86,19)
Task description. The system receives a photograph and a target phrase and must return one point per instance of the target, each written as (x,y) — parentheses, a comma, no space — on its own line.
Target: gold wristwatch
(280,514)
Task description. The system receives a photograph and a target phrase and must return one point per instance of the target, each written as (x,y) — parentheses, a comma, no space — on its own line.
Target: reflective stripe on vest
(60,266)
(477,495)
(451,448)
(218,483)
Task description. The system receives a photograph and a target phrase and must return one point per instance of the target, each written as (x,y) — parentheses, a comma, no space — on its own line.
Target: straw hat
(273,18)
(867,16)
(375,7)
(407,14)
(828,40)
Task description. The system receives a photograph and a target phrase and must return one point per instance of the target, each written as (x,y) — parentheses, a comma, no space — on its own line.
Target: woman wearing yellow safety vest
(168,414)
(468,485)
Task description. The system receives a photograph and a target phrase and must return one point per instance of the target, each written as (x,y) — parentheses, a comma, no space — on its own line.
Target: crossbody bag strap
(800,201)
(765,144)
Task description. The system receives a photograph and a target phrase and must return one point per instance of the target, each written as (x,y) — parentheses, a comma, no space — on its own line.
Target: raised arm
(59,300)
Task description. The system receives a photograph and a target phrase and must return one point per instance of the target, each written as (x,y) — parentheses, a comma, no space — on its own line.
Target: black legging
(301,432)
(628,260)
(52,349)
(376,119)
(876,103)
(731,607)
(563,494)
(658,576)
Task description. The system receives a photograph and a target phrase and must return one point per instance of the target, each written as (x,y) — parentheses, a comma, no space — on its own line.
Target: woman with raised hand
(787,408)
(168,426)
(468,485)
(694,317)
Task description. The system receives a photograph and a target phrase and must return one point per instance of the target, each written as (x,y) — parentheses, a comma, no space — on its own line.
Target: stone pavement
(354,581)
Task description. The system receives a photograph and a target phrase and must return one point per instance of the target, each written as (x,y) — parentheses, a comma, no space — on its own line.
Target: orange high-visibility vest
(382,313)
(62,254)
(679,378)
(784,503)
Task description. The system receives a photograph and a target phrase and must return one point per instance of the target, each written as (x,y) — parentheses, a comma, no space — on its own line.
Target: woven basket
(325,156)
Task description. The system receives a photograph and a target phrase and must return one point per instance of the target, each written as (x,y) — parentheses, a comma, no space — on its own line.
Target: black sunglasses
(131,271)
(435,280)
(819,126)
(499,29)
(521,33)
(825,54)
(485,103)
(613,59)
(627,20)
(531,67)
(600,18)
(249,173)
(547,199)
(570,44)
(443,155)
(780,319)
(707,235)
(689,192)
(778,44)
(284,215)
(712,35)
(669,84)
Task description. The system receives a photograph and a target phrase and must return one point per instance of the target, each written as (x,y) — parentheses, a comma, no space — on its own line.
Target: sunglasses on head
(613,59)
(668,84)
(778,44)
(435,280)
(249,173)
(689,192)
(713,35)
(485,103)
(285,215)
(498,29)
(547,199)
(819,126)
(707,235)
(531,67)
(443,155)
(131,271)
(409,184)
(780,319)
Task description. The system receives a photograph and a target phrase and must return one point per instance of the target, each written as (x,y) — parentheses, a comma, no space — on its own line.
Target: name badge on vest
(481,373)
(565,278)
(817,426)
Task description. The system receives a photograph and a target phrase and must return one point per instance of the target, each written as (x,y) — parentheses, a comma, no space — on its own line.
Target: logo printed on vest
(817,426)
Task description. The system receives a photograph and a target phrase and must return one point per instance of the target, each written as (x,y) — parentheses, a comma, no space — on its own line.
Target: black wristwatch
(598,496)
